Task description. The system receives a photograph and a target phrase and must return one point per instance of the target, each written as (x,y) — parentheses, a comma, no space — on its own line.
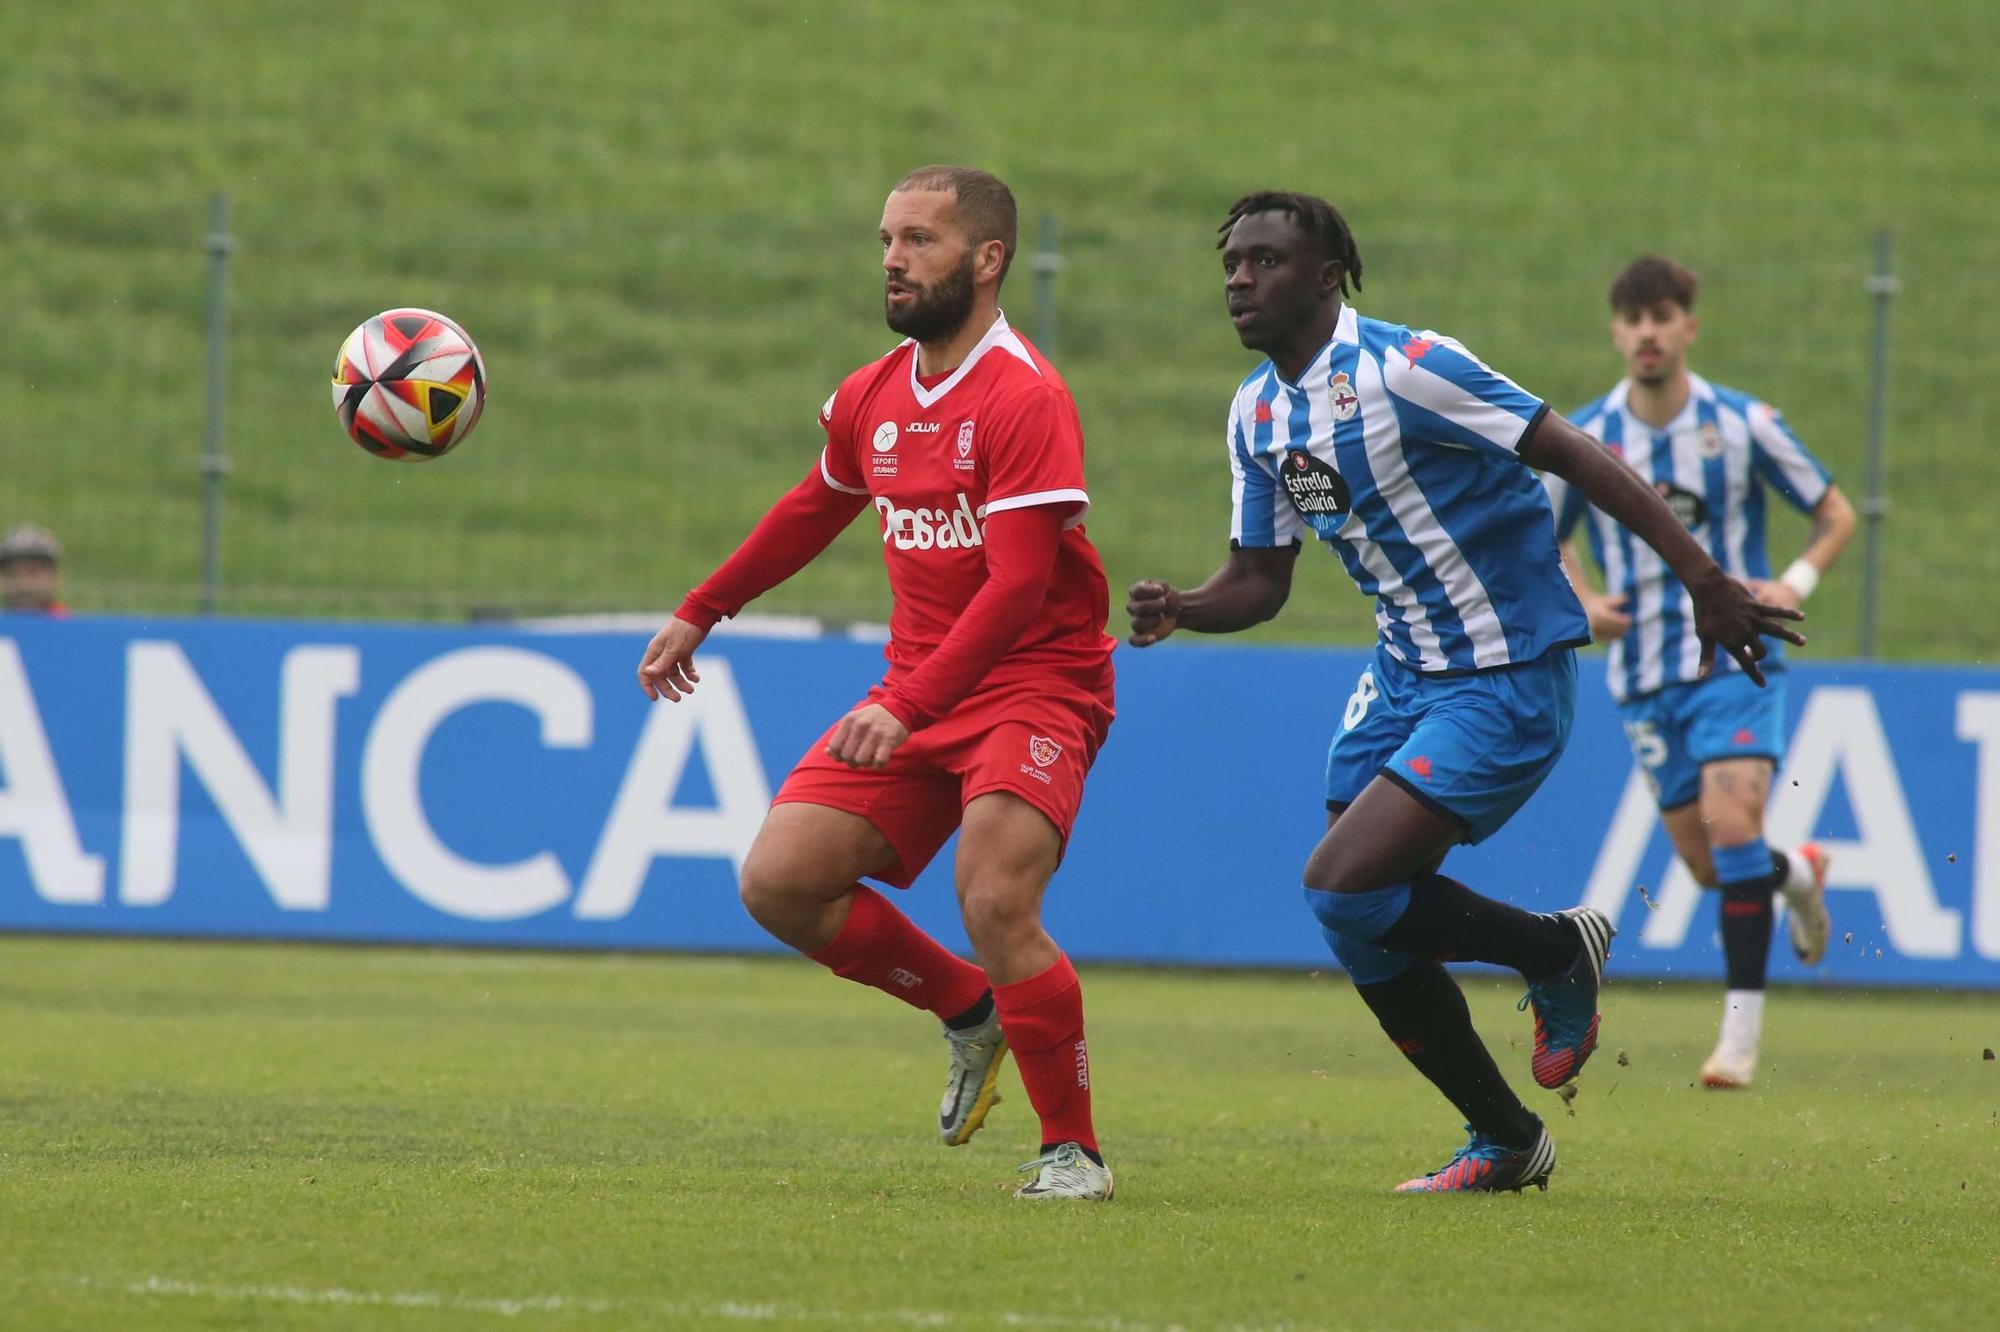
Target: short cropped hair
(1650,279)
(984,207)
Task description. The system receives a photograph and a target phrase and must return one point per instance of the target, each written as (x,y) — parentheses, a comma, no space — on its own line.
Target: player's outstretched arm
(788,538)
(1250,588)
(1725,612)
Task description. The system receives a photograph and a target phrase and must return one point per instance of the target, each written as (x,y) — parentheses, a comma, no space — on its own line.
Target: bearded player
(999,689)
(1410,459)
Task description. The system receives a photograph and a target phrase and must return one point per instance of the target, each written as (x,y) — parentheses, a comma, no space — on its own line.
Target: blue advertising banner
(443,785)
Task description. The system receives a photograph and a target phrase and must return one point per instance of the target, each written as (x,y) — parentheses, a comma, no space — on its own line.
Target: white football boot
(1729,1068)
(1805,894)
(1734,1063)
(970,1086)
(1065,1171)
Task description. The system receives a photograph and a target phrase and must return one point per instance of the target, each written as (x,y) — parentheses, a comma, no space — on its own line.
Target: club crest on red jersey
(1043,750)
(964,462)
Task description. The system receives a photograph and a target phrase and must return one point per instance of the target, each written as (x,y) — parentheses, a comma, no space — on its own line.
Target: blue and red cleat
(1484,1166)
(1566,1015)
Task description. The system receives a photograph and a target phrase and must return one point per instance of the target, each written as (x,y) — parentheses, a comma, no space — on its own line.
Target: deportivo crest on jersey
(1437,518)
(1340,395)
(1043,750)
(885,437)
(1314,487)
(965,439)
(1690,509)
(1717,464)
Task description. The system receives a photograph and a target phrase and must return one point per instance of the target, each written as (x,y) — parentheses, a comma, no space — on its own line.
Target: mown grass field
(237,1136)
(658,219)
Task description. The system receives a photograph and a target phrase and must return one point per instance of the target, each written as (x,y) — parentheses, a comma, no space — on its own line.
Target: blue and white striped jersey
(1398,449)
(1711,464)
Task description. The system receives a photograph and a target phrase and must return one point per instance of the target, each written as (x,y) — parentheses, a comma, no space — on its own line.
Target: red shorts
(1022,739)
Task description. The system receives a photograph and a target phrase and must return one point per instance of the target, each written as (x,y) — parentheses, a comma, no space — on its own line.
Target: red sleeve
(1034,455)
(798,527)
(1021,547)
(836,461)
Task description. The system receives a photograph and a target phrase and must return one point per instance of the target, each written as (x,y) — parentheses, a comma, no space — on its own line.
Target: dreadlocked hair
(1314,216)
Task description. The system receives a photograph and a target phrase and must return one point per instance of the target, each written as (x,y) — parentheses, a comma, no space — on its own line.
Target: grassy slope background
(658,220)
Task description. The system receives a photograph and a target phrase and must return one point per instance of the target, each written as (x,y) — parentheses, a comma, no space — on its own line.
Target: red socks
(1042,1016)
(1043,1019)
(880,946)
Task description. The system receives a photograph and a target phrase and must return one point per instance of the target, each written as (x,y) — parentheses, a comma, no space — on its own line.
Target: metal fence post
(1882,284)
(1048,263)
(214,463)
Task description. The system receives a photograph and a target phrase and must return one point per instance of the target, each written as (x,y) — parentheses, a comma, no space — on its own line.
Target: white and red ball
(408,384)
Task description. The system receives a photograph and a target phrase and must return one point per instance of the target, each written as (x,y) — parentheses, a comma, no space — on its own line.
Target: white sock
(1798,873)
(1742,1019)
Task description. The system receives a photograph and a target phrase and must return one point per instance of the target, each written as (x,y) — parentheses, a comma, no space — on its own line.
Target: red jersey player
(998,695)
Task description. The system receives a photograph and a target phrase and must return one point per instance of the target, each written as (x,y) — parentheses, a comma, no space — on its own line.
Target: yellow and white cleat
(971,1085)
(1066,1171)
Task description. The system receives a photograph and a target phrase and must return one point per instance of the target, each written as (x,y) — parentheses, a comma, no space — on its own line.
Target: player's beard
(940,308)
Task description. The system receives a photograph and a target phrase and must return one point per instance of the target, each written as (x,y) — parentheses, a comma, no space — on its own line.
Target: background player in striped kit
(1708,745)
(1411,459)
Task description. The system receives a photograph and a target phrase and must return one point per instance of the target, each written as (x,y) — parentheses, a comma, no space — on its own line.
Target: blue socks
(1748,875)
(1352,922)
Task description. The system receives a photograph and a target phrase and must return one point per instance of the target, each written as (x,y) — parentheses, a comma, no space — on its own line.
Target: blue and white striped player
(1411,459)
(1709,745)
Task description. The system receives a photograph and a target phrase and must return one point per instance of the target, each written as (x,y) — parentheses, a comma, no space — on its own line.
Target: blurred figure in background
(1709,742)
(30,571)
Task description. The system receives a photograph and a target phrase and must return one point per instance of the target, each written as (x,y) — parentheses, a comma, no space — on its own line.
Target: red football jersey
(1000,432)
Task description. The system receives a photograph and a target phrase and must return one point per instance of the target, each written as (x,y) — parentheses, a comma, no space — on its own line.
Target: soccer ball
(408,384)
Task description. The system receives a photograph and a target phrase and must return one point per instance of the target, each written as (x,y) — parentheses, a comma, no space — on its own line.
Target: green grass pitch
(249,1136)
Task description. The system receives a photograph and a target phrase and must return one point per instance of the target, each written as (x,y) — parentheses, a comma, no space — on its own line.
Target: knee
(1337,866)
(997,914)
(1351,923)
(1329,871)
(768,881)
(1364,917)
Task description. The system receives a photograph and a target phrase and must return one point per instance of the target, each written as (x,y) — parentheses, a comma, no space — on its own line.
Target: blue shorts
(1676,730)
(1471,747)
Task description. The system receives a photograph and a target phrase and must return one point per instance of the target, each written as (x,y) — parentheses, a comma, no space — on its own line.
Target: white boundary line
(732,1311)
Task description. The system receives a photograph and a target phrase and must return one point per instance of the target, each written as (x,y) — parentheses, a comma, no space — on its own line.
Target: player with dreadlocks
(1412,459)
